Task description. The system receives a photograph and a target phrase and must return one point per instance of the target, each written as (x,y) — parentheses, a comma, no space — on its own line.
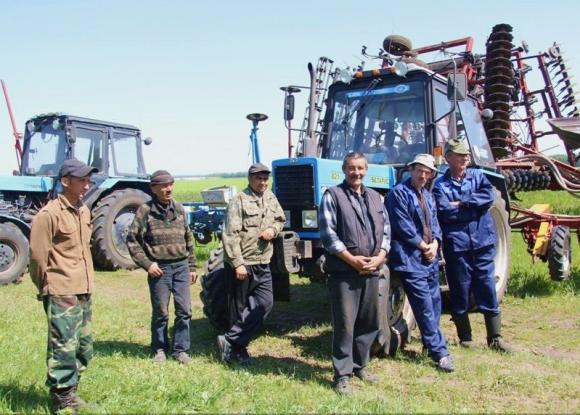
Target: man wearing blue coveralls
(413,257)
(464,197)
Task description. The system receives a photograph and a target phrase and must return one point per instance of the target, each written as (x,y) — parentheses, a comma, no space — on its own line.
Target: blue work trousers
(175,280)
(425,299)
(472,272)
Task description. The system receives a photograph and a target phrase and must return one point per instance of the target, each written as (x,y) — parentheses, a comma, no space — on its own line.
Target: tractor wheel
(503,246)
(112,217)
(213,291)
(396,320)
(314,269)
(559,253)
(13,254)
(203,238)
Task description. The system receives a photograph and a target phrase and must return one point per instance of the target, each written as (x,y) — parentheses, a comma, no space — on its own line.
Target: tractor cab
(391,118)
(114,149)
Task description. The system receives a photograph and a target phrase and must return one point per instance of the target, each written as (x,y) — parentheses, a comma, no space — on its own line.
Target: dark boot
(63,398)
(463,329)
(494,339)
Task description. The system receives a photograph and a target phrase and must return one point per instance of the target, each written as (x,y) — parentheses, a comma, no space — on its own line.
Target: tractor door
(89,146)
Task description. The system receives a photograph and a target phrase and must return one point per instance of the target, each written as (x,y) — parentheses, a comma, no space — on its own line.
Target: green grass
(293,372)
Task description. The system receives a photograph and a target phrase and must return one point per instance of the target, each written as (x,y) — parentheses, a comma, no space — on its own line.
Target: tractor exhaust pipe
(310,144)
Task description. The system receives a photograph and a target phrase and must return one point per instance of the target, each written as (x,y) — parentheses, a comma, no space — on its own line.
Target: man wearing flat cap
(464,197)
(253,219)
(61,267)
(161,243)
(416,237)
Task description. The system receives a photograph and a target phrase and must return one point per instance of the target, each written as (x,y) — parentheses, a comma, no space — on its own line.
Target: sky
(187,73)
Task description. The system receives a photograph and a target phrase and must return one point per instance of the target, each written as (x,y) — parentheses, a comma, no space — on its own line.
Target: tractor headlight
(288,222)
(310,219)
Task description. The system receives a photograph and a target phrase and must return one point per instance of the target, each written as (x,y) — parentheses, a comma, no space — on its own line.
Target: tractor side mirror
(289,108)
(457,86)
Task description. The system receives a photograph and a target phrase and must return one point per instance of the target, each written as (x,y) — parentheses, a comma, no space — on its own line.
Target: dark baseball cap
(258,168)
(161,177)
(76,168)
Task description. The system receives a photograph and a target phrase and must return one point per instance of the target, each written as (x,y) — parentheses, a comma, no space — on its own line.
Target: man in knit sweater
(161,243)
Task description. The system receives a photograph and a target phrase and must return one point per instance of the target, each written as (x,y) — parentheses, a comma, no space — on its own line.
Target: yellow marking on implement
(541,245)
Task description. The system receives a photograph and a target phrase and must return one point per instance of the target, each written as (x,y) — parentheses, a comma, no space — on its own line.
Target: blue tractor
(390,114)
(117,190)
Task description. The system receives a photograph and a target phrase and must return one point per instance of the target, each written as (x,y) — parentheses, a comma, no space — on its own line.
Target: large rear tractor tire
(559,253)
(396,320)
(503,246)
(13,253)
(213,293)
(112,217)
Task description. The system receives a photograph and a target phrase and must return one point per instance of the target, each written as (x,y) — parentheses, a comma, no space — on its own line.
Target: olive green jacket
(248,215)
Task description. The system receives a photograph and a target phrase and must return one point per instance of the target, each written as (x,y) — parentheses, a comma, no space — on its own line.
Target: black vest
(350,227)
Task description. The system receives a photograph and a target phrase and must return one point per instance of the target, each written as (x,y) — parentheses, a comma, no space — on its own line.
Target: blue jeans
(176,280)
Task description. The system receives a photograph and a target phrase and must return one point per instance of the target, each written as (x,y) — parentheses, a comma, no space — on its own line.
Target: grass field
(292,372)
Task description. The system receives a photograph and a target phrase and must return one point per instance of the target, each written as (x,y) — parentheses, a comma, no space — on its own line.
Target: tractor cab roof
(73,118)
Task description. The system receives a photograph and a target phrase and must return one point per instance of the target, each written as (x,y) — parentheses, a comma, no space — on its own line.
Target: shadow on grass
(290,368)
(113,347)
(24,400)
(525,283)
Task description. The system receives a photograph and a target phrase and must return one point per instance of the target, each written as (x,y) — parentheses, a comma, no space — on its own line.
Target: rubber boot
(63,400)
(494,339)
(463,327)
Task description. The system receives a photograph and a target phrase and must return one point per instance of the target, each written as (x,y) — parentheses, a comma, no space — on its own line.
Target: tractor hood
(37,184)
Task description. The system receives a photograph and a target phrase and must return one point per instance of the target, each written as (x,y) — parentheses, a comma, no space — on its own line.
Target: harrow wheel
(559,253)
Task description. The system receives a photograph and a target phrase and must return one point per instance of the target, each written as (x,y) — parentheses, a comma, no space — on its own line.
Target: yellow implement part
(541,208)
(541,245)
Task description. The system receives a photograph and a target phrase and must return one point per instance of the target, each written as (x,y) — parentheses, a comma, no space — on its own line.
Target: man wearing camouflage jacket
(161,243)
(61,267)
(254,218)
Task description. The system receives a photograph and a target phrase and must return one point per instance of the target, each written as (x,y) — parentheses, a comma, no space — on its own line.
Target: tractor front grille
(294,186)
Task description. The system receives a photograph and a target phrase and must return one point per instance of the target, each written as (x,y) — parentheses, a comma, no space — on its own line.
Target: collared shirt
(327,224)
(407,223)
(60,254)
(469,225)
(248,215)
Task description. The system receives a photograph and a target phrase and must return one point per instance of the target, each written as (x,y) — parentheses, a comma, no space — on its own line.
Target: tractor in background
(118,188)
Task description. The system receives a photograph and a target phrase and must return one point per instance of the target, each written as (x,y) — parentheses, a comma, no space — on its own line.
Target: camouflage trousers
(70,344)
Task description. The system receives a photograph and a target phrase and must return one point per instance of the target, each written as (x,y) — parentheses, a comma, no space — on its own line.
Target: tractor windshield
(385,122)
(44,151)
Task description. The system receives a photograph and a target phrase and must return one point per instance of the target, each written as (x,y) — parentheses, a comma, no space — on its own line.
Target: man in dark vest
(355,231)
